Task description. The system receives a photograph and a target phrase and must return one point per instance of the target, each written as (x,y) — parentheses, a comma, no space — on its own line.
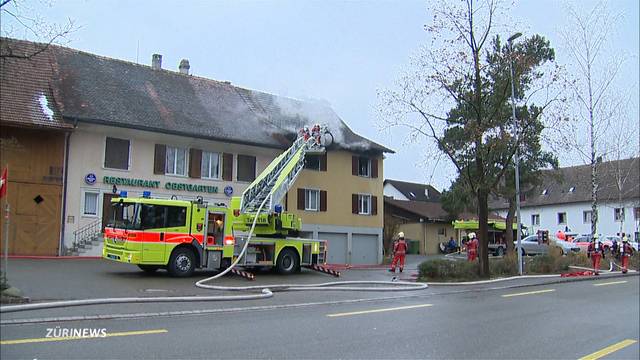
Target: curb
(36,257)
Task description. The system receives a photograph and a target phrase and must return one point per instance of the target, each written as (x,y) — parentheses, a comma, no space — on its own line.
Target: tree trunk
(483,232)
(508,236)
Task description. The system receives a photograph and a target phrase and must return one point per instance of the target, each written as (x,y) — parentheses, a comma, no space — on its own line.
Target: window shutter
(195,163)
(323,200)
(374,168)
(354,203)
(323,162)
(160,157)
(354,165)
(300,199)
(374,205)
(227,167)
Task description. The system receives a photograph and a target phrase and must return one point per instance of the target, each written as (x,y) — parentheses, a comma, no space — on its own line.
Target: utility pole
(517,153)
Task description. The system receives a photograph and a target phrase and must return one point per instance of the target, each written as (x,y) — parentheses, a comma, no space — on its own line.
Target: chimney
(184,67)
(156,61)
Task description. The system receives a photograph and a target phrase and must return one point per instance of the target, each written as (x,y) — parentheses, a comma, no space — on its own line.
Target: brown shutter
(323,200)
(227,167)
(374,168)
(300,199)
(323,162)
(354,165)
(160,157)
(374,205)
(354,203)
(195,163)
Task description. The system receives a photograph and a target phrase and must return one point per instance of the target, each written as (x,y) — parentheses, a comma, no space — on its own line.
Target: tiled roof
(26,96)
(96,89)
(573,184)
(415,191)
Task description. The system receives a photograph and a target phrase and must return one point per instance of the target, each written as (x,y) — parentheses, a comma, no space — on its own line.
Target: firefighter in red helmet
(399,251)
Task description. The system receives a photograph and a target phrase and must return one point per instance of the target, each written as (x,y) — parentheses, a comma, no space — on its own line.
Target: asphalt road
(553,321)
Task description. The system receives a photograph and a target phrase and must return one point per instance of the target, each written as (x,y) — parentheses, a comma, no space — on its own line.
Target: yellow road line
(39,340)
(380,310)
(608,350)
(611,283)
(529,293)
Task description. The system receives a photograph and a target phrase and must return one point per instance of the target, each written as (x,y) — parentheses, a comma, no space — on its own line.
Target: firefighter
(472,247)
(399,251)
(625,253)
(596,252)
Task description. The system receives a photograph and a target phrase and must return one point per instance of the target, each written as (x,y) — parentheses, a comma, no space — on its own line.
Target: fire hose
(266,291)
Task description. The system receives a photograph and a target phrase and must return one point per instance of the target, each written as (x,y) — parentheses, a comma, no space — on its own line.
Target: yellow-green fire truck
(182,235)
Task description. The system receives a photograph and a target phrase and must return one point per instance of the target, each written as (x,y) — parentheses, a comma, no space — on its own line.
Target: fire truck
(182,236)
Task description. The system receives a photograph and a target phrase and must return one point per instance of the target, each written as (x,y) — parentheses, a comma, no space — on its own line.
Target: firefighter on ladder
(625,253)
(472,247)
(399,251)
(596,252)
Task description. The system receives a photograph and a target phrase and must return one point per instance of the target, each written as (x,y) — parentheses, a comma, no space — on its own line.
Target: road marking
(379,310)
(611,283)
(39,340)
(608,350)
(529,293)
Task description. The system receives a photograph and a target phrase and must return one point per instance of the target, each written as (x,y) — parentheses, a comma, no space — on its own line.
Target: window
(587,217)
(210,165)
(442,231)
(116,154)
(364,204)
(636,213)
(535,219)
(176,161)
(312,162)
(311,200)
(364,166)
(158,216)
(246,168)
(618,214)
(90,204)
(562,218)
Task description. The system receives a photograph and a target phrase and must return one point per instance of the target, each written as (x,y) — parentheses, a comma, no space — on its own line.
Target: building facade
(134,128)
(563,200)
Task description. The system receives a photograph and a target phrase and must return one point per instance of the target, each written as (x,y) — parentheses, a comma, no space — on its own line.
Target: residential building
(563,199)
(143,128)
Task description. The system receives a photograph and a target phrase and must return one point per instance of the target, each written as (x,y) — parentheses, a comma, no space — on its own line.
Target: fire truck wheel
(182,262)
(149,268)
(287,262)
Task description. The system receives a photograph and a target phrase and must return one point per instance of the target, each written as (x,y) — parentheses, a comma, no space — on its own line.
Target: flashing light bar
(229,240)
(123,193)
(146,194)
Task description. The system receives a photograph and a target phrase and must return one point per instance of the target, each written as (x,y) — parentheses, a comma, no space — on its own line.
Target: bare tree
(457,96)
(591,80)
(20,20)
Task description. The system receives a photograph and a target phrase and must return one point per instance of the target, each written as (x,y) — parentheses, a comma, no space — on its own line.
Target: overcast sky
(338,51)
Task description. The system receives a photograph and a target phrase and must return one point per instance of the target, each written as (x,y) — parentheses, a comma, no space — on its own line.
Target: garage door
(364,249)
(337,247)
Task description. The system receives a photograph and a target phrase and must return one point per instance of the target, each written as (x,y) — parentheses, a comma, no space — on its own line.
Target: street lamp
(517,155)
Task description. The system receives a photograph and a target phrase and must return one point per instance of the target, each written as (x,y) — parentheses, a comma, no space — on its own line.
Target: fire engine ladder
(274,182)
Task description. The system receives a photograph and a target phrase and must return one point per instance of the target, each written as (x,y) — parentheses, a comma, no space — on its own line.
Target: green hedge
(552,263)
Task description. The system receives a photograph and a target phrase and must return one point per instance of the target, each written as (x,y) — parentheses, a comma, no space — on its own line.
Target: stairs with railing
(87,240)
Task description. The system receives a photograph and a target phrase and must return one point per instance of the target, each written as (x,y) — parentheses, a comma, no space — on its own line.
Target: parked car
(531,246)
(583,242)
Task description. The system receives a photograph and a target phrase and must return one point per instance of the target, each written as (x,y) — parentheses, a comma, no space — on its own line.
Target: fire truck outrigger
(182,235)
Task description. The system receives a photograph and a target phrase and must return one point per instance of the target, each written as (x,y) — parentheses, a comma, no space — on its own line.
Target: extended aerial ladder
(274,182)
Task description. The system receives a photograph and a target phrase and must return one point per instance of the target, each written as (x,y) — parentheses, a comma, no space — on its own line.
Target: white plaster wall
(606,224)
(86,155)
